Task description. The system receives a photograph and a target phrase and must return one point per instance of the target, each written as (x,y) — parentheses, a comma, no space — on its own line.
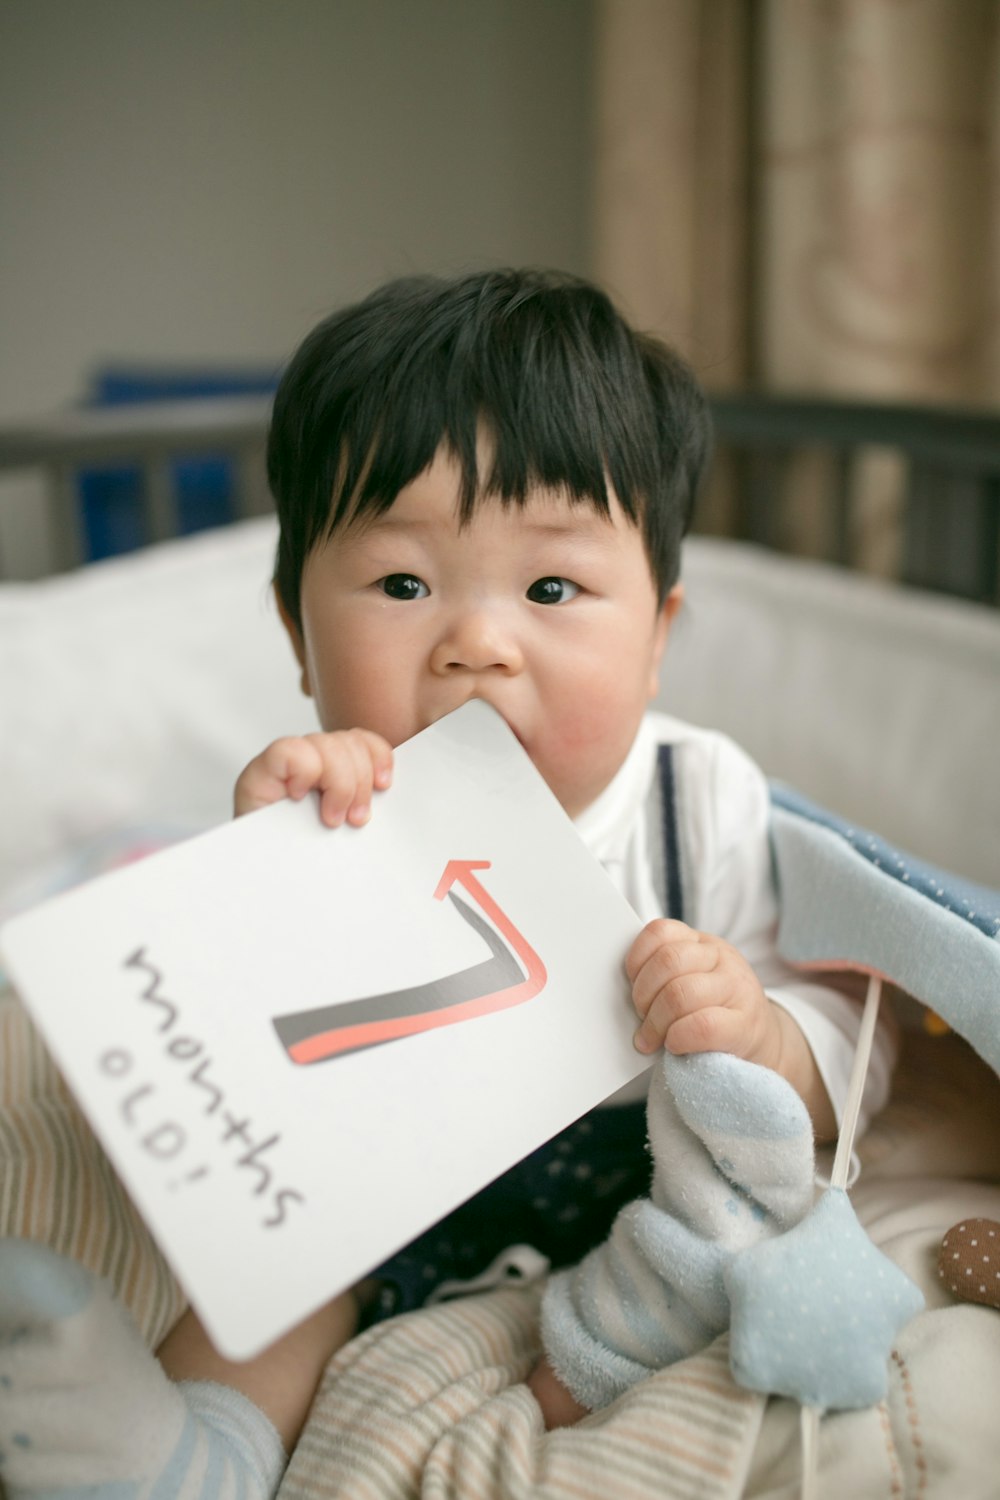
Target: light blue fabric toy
(849,899)
(815,1312)
(730,1234)
(733,1165)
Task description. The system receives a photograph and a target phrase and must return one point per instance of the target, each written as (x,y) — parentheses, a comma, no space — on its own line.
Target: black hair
(571,396)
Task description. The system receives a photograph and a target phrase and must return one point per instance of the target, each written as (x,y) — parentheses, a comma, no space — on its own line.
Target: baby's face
(548,613)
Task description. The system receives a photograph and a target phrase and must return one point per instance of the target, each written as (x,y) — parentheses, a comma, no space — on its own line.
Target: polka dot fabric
(848,899)
(977,904)
(969,1261)
(816,1311)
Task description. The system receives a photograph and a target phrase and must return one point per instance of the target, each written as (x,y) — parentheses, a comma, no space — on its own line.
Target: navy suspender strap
(672,881)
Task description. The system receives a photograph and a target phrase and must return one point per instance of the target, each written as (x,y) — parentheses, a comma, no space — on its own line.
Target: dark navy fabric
(671,843)
(562,1199)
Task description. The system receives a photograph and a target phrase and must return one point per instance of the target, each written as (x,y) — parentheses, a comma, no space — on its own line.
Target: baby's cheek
(600,728)
(585,750)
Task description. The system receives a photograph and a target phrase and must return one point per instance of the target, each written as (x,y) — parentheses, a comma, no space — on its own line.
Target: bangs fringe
(569,396)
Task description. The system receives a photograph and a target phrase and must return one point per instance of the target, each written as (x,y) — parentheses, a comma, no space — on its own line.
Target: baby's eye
(402,586)
(553,591)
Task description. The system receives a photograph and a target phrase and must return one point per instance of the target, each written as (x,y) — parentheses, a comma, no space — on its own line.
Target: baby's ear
(665,619)
(294,632)
(672,603)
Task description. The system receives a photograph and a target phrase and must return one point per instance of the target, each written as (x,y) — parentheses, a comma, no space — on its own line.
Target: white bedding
(133,692)
(430,1405)
(130,696)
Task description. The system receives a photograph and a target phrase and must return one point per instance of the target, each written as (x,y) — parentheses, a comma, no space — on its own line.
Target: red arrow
(461,870)
(330,1041)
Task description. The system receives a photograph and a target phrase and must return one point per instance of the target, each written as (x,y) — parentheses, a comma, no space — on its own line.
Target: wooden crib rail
(150,435)
(949,460)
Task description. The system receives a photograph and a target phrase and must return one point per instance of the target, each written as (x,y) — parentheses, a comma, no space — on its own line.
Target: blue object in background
(204,486)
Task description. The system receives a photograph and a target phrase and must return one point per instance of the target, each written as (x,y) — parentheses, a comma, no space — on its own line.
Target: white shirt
(724,813)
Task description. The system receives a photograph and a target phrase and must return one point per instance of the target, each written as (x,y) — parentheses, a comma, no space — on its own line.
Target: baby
(482,486)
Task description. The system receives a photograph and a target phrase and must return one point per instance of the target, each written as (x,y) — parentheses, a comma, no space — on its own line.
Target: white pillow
(132,692)
(880,702)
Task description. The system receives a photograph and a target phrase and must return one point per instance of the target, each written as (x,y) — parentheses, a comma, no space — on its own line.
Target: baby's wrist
(778,1050)
(558,1406)
(797,1066)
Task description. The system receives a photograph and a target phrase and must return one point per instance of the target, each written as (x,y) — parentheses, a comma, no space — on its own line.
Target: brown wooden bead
(969,1261)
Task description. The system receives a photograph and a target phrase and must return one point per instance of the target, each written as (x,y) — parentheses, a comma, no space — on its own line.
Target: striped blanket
(57,1185)
(431,1405)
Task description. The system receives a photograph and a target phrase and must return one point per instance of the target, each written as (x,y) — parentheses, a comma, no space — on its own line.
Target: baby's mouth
(479,698)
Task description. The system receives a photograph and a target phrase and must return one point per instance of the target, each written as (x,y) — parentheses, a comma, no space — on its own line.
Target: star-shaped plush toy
(815,1311)
(730,1231)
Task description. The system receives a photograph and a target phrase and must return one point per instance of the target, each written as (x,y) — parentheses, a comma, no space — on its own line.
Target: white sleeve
(736,899)
(830,1021)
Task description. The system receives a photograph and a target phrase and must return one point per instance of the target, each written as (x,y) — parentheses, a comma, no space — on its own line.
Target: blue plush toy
(732,1235)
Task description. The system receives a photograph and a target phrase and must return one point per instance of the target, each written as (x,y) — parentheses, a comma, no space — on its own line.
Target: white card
(301,1047)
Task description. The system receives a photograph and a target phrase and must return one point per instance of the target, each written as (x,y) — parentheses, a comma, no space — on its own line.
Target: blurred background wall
(200,180)
(807,190)
(803,195)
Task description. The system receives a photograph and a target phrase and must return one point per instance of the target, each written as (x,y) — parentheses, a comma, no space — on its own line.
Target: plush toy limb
(86,1410)
(733,1164)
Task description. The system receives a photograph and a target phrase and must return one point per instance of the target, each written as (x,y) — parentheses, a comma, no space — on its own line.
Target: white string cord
(809,1427)
(810,1415)
(856,1086)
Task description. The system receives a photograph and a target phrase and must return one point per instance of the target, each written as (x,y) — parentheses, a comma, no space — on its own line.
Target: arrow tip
(460,870)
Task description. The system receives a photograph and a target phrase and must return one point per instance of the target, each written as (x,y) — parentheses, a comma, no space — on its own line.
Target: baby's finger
(358,762)
(346,781)
(380,752)
(715,1028)
(360,809)
(653,936)
(667,966)
(299,762)
(687,995)
(287,768)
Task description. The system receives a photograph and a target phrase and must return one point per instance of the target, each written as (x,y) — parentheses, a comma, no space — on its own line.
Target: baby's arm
(281,1381)
(697,993)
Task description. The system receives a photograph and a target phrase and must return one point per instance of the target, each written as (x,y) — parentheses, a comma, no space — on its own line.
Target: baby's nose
(476,641)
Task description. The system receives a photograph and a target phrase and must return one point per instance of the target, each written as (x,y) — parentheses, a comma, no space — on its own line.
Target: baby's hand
(344,767)
(696,993)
